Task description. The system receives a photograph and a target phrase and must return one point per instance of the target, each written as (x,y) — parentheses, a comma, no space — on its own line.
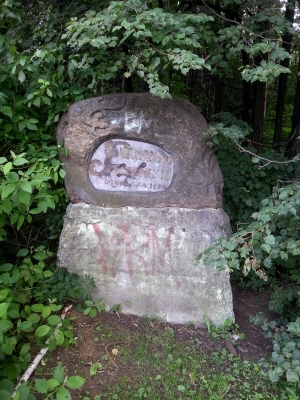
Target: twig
(268,161)
(258,330)
(107,352)
(40,355)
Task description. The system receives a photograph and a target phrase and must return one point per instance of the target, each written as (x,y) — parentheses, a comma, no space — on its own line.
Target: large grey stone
(147,256)
(139,150)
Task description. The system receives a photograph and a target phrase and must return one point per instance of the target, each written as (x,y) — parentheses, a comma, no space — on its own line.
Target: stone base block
(144,260)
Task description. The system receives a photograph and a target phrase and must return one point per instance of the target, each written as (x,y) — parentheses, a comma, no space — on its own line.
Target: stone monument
(146,199)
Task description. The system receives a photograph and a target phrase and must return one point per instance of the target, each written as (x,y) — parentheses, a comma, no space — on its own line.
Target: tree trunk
(283,78)
(292,144)
(260,98)
(191,85)
(259,111)
(247,90)
(219,95)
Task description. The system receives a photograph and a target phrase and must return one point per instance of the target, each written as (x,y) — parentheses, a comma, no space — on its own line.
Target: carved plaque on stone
(129,165)
(137,149)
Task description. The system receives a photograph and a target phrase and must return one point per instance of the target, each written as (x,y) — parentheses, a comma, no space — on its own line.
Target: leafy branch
(265,240)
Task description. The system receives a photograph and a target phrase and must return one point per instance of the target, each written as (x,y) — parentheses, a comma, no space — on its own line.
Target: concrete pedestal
(144,259)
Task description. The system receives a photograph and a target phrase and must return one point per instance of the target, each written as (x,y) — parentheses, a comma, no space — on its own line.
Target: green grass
(151,360)
(156,366)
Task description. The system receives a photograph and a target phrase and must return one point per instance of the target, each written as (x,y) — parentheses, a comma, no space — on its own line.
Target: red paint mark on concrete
(119,249)
(128,251)
(133,256)
(153,239)
(106,253)
(169,254)
(102,253)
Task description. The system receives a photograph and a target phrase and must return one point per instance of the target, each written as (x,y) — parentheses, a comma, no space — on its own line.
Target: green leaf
(156,62)
(14,217)
(7,167)
(7,190)
(6,267)
(20,161)
(42,330)
(24,349)
(46,311)
(52,384)
(3,294)
(12,177)
(273,376)
(6,384)
(23,197)
(52,344)
(46,100)
(3,310)
(93,313)
(270,239)
(296,354)
(40,256)
(20,222)
(59,374)
(7,348)
(5,395)
(87,310)
(3,160)
(266,248)
(21,76)
(94,368)
(181,388)
(59,337)
(26,326)
(23,391)
(63,394)
(21,125)
(47,273)
(22,253)
(6,110)
(31,127)
(53,320)
(33,318)
(41,385)
(292,376)
(13,314)
(38,308)
(5,325)
(75,382)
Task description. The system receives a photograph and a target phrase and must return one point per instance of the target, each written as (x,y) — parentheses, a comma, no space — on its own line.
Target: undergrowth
(40,77)
(151,362)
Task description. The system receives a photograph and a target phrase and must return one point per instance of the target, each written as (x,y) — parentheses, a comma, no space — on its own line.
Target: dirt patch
(107,344)
(247,303)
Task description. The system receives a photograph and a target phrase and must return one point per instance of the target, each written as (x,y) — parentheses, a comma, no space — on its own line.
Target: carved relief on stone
(98,119)
(112,113)
(206,174)
(129,165)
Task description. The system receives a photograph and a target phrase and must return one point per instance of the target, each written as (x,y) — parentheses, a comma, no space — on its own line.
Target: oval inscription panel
(131,166)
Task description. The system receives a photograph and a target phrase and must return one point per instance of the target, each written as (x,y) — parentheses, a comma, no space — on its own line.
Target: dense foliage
(54,53)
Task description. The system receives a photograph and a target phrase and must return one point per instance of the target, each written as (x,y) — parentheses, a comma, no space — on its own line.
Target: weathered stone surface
(139,150)
(147,256)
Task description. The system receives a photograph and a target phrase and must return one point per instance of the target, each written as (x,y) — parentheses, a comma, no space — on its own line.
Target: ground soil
(97,337)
